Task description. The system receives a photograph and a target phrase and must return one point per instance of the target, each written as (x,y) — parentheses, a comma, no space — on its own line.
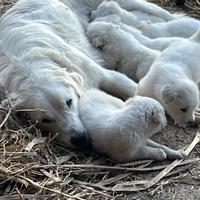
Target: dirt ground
(184,185)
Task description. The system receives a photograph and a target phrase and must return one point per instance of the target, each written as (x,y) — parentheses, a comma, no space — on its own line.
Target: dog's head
(51,94)
(180,101)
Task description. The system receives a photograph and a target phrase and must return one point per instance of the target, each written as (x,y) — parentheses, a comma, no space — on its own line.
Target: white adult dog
(180,27)
(127,53)
(46,63)
(121,130)
(173,79)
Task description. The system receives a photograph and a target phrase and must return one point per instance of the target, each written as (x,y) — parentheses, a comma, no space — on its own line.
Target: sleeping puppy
(152,43)
(120,47)
(121,129)
(179,27)
(173,80)
(139,9)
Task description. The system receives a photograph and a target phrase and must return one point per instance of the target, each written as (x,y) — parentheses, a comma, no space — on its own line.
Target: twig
(49,189)
(18,154)
(96,191)
(135,186)
(103,167)
(6,118)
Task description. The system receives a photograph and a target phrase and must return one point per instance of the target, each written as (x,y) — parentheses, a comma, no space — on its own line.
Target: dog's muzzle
(80,139)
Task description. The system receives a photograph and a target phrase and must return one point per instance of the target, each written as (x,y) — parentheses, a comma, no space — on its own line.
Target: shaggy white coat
(46,63)
(121,129)
(173,80)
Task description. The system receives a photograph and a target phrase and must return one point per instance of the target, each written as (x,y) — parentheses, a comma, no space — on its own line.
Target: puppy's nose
(80,140)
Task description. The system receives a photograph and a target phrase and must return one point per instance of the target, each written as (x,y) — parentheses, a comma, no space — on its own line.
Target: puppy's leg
(149,153)
(171,154)
(118,85)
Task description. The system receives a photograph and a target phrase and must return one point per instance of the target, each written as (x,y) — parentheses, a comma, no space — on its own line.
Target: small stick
(102,167)
(49,189)
(6,118)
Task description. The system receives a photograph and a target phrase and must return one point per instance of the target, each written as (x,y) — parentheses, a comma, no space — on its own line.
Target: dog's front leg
(171,154)
(118,84)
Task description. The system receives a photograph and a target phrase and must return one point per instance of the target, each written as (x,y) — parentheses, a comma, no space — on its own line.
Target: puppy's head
(150,113)
(51,94)
(98,32)
(106,8)
(180,101)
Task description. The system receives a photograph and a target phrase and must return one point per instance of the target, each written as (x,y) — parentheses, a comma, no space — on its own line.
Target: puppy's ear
(12,101)
(151,116)
(168,94)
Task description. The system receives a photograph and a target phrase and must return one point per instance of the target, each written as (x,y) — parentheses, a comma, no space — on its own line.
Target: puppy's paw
(176,154)
(160,155)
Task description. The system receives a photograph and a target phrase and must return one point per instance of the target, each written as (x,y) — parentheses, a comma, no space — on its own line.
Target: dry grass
(35,167)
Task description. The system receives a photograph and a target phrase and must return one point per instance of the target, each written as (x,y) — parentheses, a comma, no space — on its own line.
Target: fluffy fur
(121,129)
(46,63)
(130,57)
(173,80)
(180,27)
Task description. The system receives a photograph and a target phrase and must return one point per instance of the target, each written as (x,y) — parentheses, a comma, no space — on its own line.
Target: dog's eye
(69,103)
(46,120)
(184,110)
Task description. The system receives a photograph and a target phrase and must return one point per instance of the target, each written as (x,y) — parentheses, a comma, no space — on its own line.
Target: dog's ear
(168,94)
(12,101)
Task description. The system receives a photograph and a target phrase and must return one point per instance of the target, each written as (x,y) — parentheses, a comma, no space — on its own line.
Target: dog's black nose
(80,140)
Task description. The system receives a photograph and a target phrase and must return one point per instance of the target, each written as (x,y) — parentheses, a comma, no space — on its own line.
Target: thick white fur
(130,57)
(46,63)
(173,79)
(180,27)
(121,129)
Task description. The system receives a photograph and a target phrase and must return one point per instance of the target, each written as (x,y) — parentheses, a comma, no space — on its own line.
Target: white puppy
(139,9)
(130,57)
(180,27)
(121,129)
(173,79)
(153,43)
(46,64)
